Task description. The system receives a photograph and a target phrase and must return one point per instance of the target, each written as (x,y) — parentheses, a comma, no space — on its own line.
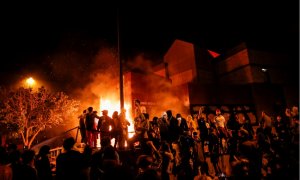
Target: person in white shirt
(220,124)
(220,120)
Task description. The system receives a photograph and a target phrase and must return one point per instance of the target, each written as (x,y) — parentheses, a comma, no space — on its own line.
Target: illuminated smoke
(159,90)
(95,77)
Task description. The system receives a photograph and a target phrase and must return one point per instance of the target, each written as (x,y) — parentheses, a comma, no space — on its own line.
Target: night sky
(32,36)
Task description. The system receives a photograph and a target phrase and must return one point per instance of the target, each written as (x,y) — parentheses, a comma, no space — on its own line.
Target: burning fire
(114,105)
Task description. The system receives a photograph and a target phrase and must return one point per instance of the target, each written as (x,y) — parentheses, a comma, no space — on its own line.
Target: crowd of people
(169,147)
(91,126)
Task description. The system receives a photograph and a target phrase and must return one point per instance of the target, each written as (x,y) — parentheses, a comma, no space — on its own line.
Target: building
(241,79)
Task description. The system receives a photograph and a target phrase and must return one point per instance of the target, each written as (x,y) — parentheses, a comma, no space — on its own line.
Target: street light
(264,70)
(30,82)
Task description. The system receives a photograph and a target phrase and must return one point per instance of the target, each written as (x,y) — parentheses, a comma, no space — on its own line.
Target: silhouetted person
(42,163)
(202,126)
(167,161)
(163,127)
(145,171)
(214,150)
(198,155)
(97,158)
(203,173)
(247,125)
(141,127)
(183,126)
(5,169)
(125,123)
(82,126)
(154,132)
(69,165)
(103,125)
(173,126)
(90,127)
(14,157)
(28,171)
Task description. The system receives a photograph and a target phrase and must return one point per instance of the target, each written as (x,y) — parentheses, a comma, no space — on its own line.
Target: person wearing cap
(103,125)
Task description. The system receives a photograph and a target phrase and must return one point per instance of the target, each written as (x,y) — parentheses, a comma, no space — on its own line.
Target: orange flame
(114,105)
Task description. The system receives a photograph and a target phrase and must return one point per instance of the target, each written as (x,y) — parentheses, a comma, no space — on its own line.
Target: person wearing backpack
(91,127)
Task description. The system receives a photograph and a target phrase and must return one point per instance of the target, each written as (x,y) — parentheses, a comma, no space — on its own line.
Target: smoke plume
(90,78)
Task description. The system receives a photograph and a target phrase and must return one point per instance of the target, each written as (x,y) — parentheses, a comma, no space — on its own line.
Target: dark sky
(31,34)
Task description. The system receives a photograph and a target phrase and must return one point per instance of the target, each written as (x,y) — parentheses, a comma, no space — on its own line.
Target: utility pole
(121,64)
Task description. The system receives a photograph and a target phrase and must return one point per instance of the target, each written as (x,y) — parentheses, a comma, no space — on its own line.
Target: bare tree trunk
(26,139)
(23,138)
(33,137)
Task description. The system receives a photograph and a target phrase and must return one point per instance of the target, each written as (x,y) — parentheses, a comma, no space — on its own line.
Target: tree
(29,112)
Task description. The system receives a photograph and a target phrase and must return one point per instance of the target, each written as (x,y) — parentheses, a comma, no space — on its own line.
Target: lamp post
(30,82)
(120,65)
